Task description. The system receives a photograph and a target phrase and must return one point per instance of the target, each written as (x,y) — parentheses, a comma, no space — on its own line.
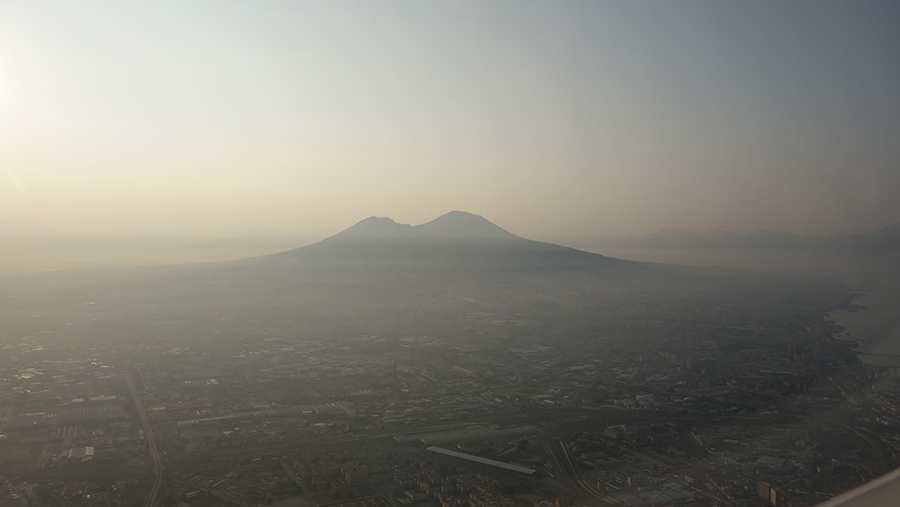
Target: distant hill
(32,247)
(456,237)
(886,239)
(274,241)
(25,232)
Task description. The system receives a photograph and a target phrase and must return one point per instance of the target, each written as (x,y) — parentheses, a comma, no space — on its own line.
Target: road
(148,433)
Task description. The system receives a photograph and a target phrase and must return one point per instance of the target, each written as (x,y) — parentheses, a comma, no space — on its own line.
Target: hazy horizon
(30,231)
(30,248)
(217,119)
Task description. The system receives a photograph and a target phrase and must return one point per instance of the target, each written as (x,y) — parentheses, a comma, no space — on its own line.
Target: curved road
(148,433)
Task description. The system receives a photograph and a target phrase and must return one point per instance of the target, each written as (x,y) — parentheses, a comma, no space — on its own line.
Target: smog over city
(449,254)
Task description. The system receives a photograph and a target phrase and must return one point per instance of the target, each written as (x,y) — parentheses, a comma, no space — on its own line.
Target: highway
(148,433)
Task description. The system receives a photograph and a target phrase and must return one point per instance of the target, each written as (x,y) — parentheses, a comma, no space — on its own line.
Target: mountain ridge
(884,239)
(457,237)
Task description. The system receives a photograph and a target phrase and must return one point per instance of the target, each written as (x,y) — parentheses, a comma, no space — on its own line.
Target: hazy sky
(549,118)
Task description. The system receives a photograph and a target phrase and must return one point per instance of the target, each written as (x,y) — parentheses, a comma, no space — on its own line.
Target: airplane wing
(881,492)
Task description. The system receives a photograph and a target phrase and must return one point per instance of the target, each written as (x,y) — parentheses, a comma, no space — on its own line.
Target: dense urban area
(663,398)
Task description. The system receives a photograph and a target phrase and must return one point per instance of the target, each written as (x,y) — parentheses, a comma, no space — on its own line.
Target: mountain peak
(381,227)
(462,225)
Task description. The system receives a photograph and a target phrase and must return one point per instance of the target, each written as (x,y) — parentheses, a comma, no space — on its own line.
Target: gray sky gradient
(549,118)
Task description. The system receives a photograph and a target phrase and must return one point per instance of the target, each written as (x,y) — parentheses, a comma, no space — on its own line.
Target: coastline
(873,320)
